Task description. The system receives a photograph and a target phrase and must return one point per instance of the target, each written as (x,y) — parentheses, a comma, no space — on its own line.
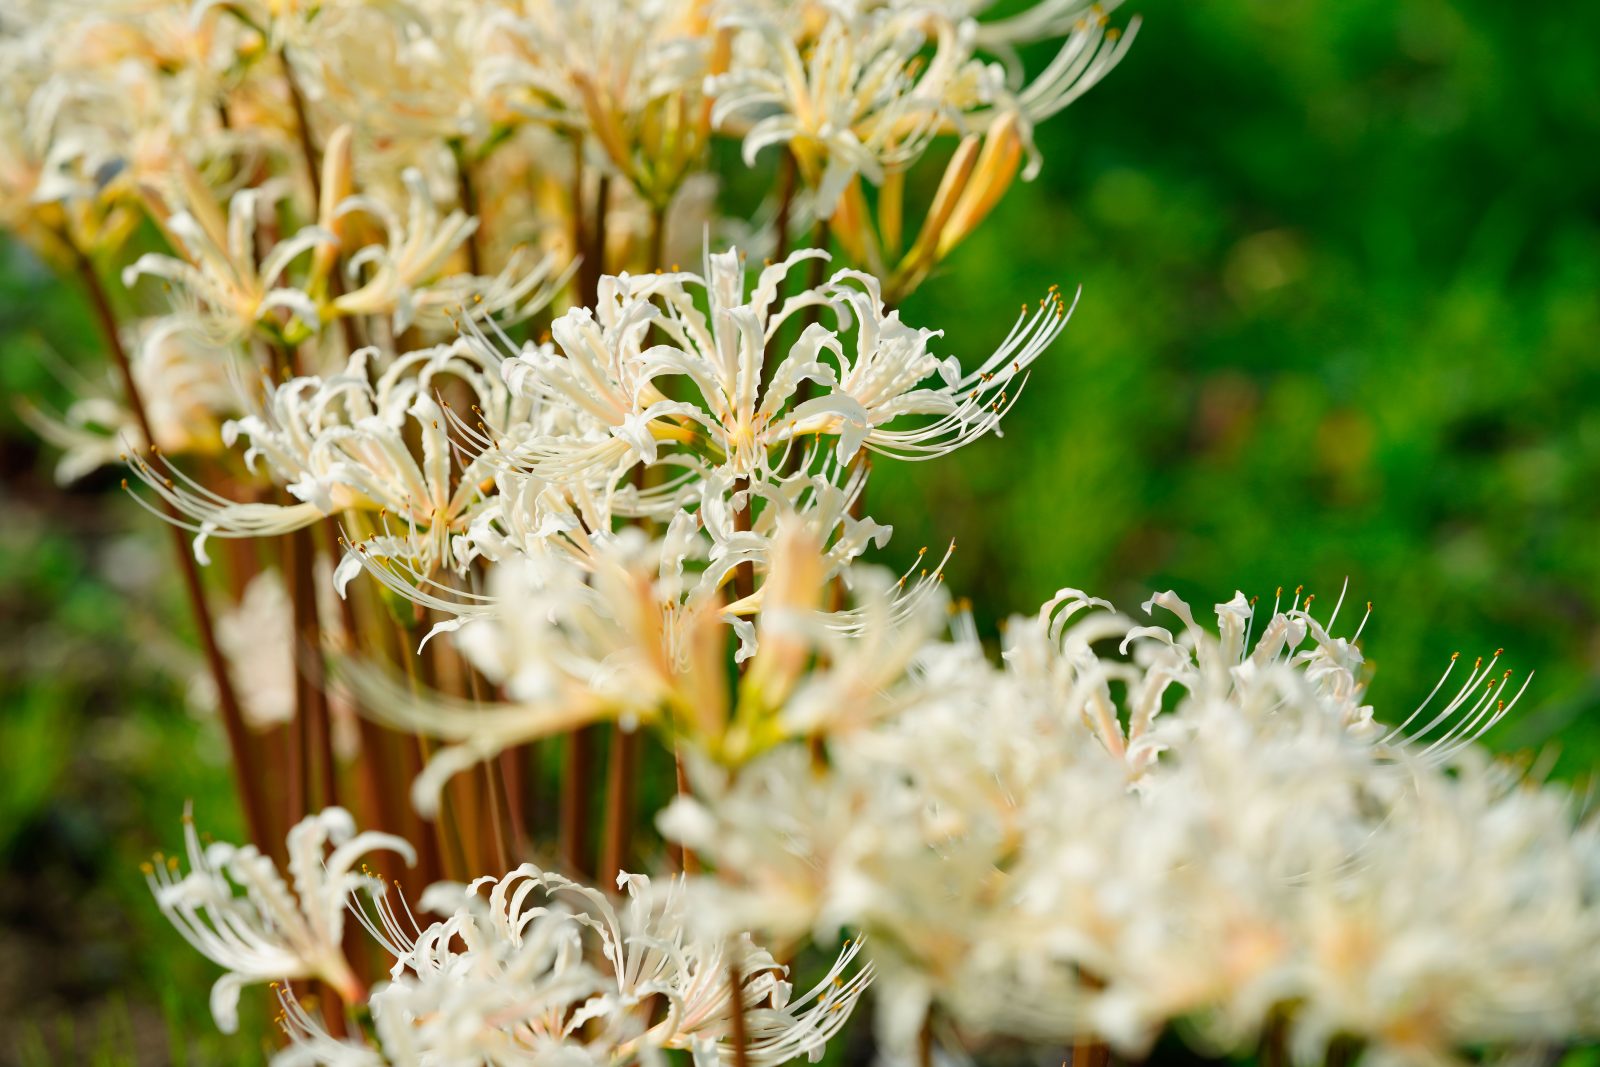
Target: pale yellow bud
(993,174)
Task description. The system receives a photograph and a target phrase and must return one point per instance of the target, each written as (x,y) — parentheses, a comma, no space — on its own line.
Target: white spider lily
(1082,844)
(270,933)
(405,74)
(615,627)
(187,388)
(417,250)
(624,628)
(624,75)
(408,277)
(341,444)
(534,963)
(859,97)
(1333,669)
(867,90)
(877,385)
(1295,661)
(229,290)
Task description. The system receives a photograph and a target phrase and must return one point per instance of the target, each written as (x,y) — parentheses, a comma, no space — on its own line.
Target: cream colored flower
(271,933)
(859,378)
(532,966)
(341,443)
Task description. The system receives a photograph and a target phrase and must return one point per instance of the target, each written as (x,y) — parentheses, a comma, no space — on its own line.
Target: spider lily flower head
(624,76)
(717,527)
(342,443)
(188,391)
(596,626)
(1232,799)
(622,627)
(904,828)
(58,165)
(862,90)
(818,673)
(228,293)
(868,381)
(536,965)
(409,275)
(406,75)
(131,97)
(1422,951)
(1294,644)
(272,932)
(1295,661)
(857,95)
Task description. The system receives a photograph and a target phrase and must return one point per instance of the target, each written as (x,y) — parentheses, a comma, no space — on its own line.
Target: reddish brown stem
(739,1032)
(313,161)
(437,850)
(622,771)
(579,241)
(816,276)
(318,786)
(684,859)
(468,192)
(780,225)
(227,697)
(577,788)
(494,800)
(512,786)
(333,1011)
(302,126)
(594,257)
(1089,1052)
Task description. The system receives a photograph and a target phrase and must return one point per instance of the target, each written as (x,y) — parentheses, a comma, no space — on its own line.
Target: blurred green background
(1341,300)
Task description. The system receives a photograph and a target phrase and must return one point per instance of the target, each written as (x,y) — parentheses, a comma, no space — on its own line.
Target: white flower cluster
(270,933)
(676,401)
(1124,829)
(528,967)
(420,290)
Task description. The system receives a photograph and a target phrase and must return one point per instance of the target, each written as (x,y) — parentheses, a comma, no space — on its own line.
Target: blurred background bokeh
(1340,320)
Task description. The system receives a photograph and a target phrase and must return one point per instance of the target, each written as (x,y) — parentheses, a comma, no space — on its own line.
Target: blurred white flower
(1081,844)
(188,389)
(863,88)
(227,289)
(627,628)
